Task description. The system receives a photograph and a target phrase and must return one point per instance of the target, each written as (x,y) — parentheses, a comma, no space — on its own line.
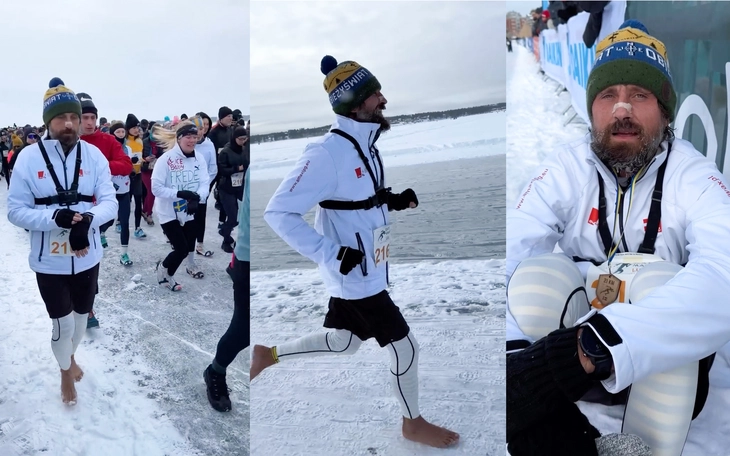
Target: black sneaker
(215,385)
(228,248)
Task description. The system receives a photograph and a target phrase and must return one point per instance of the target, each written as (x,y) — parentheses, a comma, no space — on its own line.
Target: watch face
(592,345)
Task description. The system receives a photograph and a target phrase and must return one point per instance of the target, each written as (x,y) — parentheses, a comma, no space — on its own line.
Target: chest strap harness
(381,194)
(63,197)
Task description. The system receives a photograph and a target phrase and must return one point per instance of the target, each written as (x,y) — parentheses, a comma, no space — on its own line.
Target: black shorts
(376,316)
(65,293)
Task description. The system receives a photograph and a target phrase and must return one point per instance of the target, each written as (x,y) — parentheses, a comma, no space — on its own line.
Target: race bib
(121,184)
(604,288)
(60,245)
(381,244)
(237,179)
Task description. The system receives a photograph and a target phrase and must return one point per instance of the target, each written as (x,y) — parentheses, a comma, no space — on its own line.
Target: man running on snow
(62,192)
(640,286)
(343,175)
(119,164)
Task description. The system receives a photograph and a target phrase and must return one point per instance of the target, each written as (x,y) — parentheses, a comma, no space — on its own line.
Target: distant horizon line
(398,115)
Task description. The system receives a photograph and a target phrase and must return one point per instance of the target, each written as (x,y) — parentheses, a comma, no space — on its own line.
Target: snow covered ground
(345,405)
(534,128)
(143,392)
(404,145)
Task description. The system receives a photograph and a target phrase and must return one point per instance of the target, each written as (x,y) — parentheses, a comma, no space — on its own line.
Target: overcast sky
(427,55)
(149,58)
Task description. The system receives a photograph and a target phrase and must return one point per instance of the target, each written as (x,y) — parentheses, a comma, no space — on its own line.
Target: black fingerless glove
(188,195)
(400,201)
(64,218)
(542,377)
(79,236)
(192,207)
(349,258)
(135,160)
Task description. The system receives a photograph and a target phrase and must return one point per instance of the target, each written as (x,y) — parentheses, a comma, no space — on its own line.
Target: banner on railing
(551,53)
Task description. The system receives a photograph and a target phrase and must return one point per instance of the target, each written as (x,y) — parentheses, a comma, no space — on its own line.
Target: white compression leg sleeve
(337,342)
(81,320)
(62,340)
(659,408)
(544,292)
(404,374)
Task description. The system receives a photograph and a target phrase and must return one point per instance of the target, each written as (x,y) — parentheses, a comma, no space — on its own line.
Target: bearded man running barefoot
(62,192)
(343,175)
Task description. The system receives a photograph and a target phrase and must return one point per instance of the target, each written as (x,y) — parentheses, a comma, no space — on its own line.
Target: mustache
(625,126)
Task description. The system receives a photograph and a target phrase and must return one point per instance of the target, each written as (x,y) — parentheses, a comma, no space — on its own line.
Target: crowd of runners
(75,177)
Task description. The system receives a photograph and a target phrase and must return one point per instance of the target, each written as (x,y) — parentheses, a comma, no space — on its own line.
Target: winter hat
(546,14)
(348,84)
(237,114)
(17,142)
(225,111)
(239,131)
(116,125)
(131,122)
(167,118)
(631,56)
(87,105)
(59,100)
(184,117)
(144,123)
(102,121)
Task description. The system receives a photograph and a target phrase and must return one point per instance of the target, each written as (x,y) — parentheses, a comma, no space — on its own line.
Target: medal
(607,290)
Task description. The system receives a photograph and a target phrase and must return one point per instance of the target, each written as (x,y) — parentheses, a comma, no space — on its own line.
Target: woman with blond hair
(179,182)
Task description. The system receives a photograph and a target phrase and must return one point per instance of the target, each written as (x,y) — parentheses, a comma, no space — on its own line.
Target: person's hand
(188,195)
(66,218)
(79,235)
(349,259)
(401,201)
(192,207)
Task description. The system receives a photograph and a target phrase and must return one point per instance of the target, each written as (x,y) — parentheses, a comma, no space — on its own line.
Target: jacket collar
(365,133)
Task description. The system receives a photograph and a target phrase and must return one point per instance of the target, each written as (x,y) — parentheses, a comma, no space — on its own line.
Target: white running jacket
(174,171)
(207,150)
(49,254)
(331,169)
(683,321)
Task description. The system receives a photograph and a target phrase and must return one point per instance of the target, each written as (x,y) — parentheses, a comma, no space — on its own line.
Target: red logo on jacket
(41,175)
(358,172)
(660,225)
(593,218)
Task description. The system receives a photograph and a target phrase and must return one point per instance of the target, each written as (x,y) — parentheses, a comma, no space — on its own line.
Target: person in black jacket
(221,133)
(232,165)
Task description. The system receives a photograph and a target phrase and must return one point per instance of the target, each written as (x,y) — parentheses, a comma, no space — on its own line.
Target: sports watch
(597,352)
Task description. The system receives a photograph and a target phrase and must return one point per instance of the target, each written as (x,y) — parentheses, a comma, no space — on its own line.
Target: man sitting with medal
(636,298)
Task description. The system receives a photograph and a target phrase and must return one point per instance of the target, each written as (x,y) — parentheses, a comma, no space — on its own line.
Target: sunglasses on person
(32,136)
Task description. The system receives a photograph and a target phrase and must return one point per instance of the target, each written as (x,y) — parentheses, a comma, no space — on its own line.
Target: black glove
(566,431)
(135,159)
(400,201)
(349,258)
(79,236)
(543,381)
(64,218)
(188,195)
(192,207)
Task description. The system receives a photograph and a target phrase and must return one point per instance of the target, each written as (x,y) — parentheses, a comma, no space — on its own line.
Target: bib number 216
(381,244)
(60,245)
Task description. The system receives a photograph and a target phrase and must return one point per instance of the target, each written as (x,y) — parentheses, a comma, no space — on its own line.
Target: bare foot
(68,390)
(262,358)
(76,371)
(420,430)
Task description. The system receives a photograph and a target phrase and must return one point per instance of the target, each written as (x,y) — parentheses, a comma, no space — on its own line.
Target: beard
(68,137)
(375,116)
(624,156)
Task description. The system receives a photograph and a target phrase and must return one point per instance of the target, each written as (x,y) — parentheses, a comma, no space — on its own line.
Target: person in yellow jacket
(136,187)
